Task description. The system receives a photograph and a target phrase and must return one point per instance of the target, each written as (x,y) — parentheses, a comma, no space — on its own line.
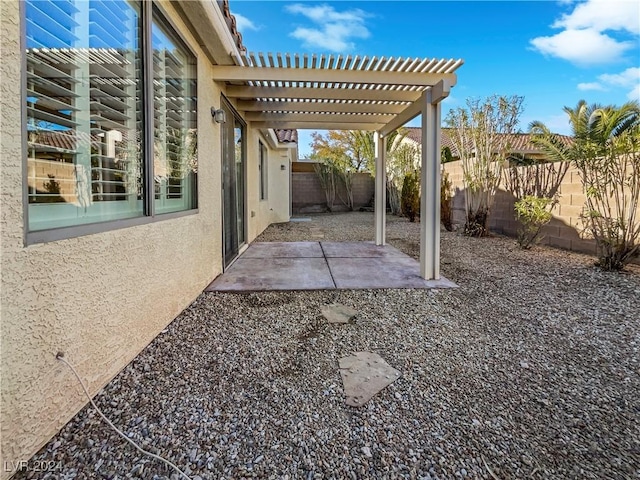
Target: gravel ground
(529,370)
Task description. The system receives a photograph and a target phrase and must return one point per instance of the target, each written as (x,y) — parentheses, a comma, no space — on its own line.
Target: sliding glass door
(233,184)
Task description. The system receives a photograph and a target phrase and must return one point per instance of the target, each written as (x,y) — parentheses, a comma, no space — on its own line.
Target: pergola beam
(438,91)
(317,117)
(408,114)
(330,107)
(304,93)
(323,75)
(300,125)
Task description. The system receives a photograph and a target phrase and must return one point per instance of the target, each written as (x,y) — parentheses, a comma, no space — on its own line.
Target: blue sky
(553,53)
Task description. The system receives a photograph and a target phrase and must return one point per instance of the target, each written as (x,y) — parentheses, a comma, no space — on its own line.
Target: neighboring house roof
(231,23)
(520,142)
(415,134)
(287,136)
(65,140)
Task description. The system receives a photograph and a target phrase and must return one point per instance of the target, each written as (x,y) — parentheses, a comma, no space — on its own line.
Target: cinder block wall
(565,229)
(307,192)
(63,174)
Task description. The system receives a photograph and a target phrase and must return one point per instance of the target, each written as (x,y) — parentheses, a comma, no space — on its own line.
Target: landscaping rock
(242,376)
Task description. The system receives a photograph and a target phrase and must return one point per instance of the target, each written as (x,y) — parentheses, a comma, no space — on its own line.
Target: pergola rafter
(321,107)
(340,92)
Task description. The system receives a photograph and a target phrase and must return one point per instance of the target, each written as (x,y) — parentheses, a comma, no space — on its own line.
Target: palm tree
(606,152)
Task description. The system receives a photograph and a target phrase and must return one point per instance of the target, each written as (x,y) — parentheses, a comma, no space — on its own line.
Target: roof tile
(520,142)
(287,136)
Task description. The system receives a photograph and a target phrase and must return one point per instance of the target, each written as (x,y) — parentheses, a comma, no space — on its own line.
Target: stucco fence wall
(307,194)
(565,230)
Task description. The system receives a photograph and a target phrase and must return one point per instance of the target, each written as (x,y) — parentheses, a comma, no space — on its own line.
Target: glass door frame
(233,117)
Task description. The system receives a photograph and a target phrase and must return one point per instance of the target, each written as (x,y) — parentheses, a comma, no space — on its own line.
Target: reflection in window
(238,135)
(84,112)
(175,134)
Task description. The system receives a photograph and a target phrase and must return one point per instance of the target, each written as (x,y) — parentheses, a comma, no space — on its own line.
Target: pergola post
(380,205)
(430,186)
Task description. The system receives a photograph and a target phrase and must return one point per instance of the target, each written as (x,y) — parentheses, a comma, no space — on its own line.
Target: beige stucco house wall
(102,298)
(275,208)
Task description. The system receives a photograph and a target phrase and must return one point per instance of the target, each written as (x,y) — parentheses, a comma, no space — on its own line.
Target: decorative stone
(337,313)
(363,375)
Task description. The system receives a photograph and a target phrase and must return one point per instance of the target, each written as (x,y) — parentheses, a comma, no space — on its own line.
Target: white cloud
(602,15)
(630,78)
(590,86)
(586,36)
(634,94)
(334,31)
(582,47)
(243,23)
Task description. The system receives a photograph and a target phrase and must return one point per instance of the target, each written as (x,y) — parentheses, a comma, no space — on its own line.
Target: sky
(553,53)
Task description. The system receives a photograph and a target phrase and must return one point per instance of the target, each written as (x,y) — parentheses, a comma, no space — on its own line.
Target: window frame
(148,10)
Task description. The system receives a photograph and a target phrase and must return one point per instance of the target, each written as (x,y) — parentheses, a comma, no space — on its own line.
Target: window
(174,120)
(263,171)
(87,159)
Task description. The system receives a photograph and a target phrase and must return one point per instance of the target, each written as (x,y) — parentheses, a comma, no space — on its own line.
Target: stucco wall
(565,229)
(99,298)
(275,208)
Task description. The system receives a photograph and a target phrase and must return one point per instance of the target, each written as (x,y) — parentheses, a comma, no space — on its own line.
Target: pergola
(285,91)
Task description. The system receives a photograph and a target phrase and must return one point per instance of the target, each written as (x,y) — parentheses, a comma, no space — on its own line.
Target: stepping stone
(363,375)
(337,313)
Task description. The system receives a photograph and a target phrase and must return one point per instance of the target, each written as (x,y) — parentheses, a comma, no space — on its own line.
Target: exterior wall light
(219,115)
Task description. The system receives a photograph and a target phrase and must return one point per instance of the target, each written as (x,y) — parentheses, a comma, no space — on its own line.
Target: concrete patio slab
(359,249)
(284,250)
(259,274)
(382,272)
(322,266)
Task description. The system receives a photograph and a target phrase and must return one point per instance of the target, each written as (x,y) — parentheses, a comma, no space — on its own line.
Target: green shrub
(533,214)
(410,201)
(445,201)
(445,155)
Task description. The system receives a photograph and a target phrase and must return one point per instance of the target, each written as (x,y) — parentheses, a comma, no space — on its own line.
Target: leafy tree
(404,159)
(445,155)
(353,150)
(606,152)
(326,175)
(350,152)
(534,183)
(411,196)
(446,213)
(481,134)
